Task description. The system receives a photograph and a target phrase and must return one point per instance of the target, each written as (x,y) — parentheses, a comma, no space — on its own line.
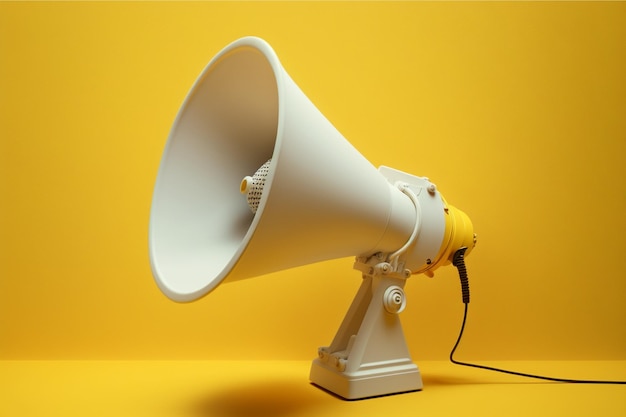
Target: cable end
(458,260)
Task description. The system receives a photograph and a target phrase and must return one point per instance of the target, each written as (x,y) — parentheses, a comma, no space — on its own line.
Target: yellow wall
(516,111)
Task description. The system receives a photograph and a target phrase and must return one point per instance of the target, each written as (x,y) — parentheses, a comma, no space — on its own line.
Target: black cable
(459,262)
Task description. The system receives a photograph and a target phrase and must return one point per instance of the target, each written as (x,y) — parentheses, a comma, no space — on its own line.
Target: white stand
(368,356)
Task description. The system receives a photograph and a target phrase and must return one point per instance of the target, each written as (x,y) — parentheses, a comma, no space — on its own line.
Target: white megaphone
(308,196)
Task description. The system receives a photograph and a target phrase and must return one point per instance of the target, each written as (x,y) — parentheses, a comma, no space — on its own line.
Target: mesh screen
(255,190)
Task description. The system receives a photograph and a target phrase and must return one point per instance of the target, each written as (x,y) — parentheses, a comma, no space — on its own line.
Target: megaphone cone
(322,198)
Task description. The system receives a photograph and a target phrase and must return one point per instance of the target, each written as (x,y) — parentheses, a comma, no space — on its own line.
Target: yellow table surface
(272,388)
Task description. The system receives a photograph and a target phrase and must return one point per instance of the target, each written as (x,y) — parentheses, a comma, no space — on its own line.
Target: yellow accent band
(459,233)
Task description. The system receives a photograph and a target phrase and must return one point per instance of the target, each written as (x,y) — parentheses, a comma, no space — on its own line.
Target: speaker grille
(255,187)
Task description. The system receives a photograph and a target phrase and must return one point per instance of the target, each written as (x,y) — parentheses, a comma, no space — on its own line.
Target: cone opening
(225,130)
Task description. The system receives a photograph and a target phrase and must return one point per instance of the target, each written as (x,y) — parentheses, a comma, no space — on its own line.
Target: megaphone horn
(246,128)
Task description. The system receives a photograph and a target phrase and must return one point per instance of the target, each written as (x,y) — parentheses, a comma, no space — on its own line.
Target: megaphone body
(319,198)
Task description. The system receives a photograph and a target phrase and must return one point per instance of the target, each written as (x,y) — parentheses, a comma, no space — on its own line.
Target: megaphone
(254,179)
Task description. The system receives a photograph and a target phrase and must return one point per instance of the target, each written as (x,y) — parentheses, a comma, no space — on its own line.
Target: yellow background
(279,389)
(517,111)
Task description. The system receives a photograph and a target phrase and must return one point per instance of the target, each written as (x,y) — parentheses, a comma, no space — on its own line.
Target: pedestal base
(365,383)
